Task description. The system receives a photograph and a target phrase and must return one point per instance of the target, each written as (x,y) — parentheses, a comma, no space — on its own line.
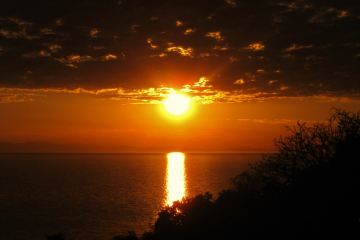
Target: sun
(177,103)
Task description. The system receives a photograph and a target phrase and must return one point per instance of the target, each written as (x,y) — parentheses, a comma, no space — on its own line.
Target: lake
(98,196)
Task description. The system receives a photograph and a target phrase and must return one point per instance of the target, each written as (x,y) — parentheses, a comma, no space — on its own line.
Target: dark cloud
(269,48)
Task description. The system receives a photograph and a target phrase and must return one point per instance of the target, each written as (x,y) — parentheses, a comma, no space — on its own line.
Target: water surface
(97,196)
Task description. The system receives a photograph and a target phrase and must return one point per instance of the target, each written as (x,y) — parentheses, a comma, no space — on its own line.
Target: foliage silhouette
(131,235)
(305,148)
(57,236)
(188,216)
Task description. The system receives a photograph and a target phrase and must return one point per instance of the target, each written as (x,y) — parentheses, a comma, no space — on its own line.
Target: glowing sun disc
(177,103)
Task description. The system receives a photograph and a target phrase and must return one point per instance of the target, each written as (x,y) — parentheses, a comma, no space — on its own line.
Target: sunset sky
(92,76)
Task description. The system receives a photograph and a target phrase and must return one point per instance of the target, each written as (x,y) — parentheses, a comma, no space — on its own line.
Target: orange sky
(92,76)
(87,122)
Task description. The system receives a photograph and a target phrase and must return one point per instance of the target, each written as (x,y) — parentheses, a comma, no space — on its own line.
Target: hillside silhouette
(308,190)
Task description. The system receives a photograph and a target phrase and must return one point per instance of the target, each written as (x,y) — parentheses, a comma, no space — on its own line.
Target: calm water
(98,196)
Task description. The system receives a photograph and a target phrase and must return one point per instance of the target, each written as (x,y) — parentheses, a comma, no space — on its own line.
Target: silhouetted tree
(57,236)
(310,188)
(305,148)
(184,217)
(131,235)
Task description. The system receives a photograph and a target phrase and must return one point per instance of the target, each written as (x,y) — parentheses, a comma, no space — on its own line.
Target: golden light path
(175,178)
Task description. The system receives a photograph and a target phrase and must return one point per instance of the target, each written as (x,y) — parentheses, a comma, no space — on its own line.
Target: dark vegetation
(310,189)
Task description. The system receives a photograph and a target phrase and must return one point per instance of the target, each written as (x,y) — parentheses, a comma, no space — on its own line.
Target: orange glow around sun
(177,103)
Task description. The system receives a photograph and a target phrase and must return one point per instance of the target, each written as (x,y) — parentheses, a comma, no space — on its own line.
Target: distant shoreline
(53,147)
(58,153)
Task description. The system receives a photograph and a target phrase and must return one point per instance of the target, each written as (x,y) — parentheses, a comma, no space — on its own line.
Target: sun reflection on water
(175,178)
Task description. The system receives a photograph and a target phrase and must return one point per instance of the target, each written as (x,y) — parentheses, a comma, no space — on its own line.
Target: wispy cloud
(179,49)
(255,47)
(215,35)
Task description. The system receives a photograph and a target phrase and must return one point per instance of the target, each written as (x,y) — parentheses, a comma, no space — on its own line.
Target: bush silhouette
(57,236)
(131,235)
(306,148)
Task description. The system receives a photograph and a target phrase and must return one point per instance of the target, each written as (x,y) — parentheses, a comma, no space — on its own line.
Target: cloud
(272,81)
(201,91)
(139,45)
(188,31)
(55,47)
(108,57)
(151,45)
(294,47)
(93,32)
(255,47)
(8,98)
(179,23)
(215,35)
(179,49)
(71,59)
(16,95)
(275,121)
(36,54)
(231,3)
(239,81)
